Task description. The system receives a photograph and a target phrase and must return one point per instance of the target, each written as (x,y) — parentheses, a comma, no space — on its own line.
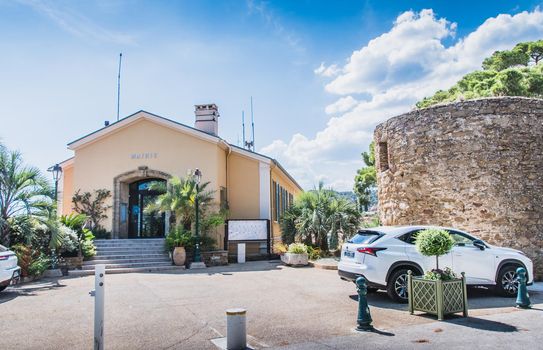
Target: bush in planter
(297,248)
(296,254)
(434,242)
(438,292)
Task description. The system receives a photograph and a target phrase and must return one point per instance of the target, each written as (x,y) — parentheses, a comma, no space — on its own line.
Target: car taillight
(5,257)
(369,250)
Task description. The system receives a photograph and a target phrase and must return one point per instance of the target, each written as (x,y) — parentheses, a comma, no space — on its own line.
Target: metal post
(523,299)
(364,317)
(410,291)
(197,257)
(465,292)
(236,329)
(99,277)
(56,192)
(440,306)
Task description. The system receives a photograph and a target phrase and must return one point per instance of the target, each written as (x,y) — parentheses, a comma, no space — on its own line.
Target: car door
(477,264)
(426,262)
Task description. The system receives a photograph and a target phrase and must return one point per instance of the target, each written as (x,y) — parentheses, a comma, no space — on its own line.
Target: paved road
(186,310)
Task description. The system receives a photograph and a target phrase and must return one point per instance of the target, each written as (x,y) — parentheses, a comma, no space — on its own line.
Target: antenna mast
(119,85)
(243,127)
(252,126)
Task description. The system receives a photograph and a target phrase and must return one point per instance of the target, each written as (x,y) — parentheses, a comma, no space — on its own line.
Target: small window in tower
(383,156)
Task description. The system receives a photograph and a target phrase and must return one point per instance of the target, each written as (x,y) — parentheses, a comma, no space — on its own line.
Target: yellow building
(125,156)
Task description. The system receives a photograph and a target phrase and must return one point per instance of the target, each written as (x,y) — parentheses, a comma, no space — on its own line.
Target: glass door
(144,224)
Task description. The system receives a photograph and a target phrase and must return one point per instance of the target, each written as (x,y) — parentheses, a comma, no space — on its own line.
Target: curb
(318,265)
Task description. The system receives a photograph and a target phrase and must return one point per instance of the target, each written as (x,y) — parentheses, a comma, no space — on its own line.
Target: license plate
(348,254)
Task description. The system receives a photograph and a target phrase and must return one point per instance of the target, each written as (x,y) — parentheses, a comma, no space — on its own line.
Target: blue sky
(322,73)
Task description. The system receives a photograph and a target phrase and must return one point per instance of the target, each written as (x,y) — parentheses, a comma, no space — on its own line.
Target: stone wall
(476,165)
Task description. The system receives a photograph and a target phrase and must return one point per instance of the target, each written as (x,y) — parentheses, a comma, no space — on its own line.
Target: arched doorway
(121,199)
(141,222)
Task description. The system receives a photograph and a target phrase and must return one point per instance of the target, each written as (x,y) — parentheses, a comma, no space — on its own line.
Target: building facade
(127,156)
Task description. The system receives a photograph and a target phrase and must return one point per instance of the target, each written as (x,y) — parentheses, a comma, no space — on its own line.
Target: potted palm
(177,243)
(296,255)
(438,292)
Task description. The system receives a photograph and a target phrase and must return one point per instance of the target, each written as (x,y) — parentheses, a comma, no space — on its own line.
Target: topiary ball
(434,242)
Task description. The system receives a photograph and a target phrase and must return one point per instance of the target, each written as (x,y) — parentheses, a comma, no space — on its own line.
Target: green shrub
(434,242)
(314,253)
(38,266)
(180,237)
(444,275)
(88,249)
(297,248)
(69,243)
(101,233)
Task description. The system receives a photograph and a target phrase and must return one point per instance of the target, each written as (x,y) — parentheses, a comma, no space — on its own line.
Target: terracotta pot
(179,256)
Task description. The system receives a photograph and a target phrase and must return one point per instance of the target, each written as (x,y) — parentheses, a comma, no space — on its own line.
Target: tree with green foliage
(366,179)
(178,197)
(92,205)
(24,191)
(434,242)
(516,72)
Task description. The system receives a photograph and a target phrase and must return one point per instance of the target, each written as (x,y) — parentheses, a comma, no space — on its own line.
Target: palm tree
(318,217)
(179,195)
(23,191)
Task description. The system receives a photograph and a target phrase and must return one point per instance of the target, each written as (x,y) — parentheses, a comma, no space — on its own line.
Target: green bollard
(364,317)
(523,299)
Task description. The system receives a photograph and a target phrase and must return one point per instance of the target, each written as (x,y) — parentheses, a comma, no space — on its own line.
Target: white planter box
(294,259)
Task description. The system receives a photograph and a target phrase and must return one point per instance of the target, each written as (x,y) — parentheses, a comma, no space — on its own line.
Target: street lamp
(197,179)
(56,170)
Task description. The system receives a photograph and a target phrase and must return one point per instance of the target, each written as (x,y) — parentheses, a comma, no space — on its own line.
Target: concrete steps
(128,255)
(127,270)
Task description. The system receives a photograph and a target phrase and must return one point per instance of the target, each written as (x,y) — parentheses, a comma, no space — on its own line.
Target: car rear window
(2,248)
(365,237)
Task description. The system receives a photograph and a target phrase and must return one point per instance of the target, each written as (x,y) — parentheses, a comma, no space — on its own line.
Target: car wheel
(2,288)
(397,286)
(507,282)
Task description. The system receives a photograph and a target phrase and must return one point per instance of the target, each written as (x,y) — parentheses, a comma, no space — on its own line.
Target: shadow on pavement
(29,289)
(380,332)
(482,324)
(478,298)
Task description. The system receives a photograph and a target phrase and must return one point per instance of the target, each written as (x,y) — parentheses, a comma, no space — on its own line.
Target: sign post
(99,277)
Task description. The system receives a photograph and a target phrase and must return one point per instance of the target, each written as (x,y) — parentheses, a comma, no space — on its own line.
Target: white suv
(383,255)
(9,271)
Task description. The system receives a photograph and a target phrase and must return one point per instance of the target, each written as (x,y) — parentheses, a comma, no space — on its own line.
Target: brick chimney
(207,118)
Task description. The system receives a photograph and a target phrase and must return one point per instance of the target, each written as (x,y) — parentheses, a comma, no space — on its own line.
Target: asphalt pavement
(292,308)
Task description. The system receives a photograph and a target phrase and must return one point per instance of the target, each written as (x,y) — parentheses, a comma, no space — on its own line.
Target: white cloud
(327,72)
(77,24)
(396,69)
(263,9)
(342,105)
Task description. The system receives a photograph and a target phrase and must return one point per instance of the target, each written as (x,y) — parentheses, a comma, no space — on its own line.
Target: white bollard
(241,253)
(99,286)
(236,332)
